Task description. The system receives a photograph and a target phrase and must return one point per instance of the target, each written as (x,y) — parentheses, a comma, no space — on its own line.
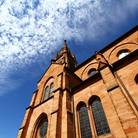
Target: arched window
(46,93)
(92,72)
(41,128)
(48,90)
(84,122)
(51,88)
(122,53)
(100,120)
(136,79)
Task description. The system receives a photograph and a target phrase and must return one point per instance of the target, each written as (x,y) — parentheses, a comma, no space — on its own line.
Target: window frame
(48,84)
(81,104)
(40,120)
(92,99)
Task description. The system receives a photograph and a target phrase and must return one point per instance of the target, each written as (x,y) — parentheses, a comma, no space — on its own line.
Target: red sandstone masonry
(115,87)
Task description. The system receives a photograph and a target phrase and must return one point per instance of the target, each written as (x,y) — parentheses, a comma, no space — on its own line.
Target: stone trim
(55,111)
(40,103)
(112,88)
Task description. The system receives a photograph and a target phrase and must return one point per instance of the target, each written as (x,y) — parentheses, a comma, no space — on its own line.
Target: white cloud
(29,26)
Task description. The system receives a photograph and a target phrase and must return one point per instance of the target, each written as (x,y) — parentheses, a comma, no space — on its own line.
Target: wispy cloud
(29,28)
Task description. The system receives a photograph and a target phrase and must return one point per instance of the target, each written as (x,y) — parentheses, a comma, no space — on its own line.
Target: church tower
(65,57)
(50,112)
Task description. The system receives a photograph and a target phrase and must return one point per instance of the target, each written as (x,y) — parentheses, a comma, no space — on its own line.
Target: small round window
(92,72)
(121,54)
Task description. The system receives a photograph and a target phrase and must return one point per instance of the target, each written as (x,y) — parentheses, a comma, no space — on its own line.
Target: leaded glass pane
(51,88)
(84,123)
(99,118)
(46,93)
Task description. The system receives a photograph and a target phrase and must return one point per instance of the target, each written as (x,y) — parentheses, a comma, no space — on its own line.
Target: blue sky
(31,33)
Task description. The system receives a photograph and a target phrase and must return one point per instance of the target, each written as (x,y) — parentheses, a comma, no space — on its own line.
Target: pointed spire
(64,56)
(65,45)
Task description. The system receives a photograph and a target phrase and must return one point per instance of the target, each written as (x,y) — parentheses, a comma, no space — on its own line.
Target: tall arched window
(46,93)
(84,122)
(51,88)
(41,128)
(100,120)
(136,79)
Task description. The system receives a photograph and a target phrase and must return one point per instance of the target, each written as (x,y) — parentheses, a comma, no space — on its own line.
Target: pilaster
(125,112)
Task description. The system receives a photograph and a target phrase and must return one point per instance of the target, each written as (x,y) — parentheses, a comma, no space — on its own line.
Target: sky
(32,32)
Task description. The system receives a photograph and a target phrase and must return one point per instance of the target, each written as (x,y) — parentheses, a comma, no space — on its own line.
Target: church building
(96,99)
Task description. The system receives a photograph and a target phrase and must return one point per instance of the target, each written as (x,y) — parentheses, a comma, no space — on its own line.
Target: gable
(52,71)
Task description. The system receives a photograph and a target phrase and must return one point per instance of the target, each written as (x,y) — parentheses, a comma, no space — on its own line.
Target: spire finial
(65,44)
